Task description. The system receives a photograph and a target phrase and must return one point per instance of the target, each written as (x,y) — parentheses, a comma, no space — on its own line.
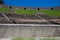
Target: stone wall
(18,31)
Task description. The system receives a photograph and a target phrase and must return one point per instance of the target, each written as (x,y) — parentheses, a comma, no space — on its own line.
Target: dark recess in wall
(10,7)
(24,8)
(38,9)
(51,8)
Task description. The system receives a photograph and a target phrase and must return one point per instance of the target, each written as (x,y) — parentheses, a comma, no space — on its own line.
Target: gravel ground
(18,31)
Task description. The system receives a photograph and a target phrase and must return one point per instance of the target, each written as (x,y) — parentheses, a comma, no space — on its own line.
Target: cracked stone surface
(18,31)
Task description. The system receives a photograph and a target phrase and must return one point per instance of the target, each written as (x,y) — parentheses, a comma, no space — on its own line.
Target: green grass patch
(48,12)
(4,10)
(30,38)
(51,12)
(27,12)
(17,38)
(47,39)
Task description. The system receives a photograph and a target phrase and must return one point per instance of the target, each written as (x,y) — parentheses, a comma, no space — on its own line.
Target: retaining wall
(30,31)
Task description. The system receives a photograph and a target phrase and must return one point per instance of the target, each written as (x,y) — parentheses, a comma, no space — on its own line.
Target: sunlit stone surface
(18,31)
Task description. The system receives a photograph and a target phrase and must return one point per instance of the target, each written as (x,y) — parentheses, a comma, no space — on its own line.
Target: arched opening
(51,8)
(24,8)
(10,7)
(38,9)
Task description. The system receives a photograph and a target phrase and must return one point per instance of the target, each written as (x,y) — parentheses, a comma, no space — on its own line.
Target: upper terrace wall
(29,8)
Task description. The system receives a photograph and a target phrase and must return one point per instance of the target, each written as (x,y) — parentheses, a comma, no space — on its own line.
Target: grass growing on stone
(30,39)
(27,12)
(51,12)
(17,38)
(47,39)
(4,10)
(48,12)
(23,38)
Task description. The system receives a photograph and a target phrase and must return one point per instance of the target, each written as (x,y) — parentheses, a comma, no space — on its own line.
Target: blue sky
(33,3)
